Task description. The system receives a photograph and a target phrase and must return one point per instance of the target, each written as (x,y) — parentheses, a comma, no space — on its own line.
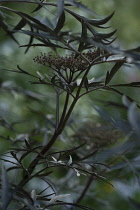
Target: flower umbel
(73,62)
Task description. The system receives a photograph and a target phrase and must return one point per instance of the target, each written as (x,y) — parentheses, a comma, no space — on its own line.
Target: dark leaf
(5,27)
(24,72)
(60,6)
(13,168)
(82,6)
(14,155)
(38,7)
(87,156)
(113,71)
(24,155)
(86,85)
(20,25)
(107,35)
(30,41)
(132,84)
(60,23)
(118,92)
(134,118)
(44,174)
(53,80)
(6,194)
(99,22)
(137,49)
(37,24)
(46,44)
(60,203)
(83,36)
(69,152)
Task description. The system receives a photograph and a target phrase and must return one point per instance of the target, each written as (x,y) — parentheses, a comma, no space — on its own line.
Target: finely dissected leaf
(30,41)
(70,204)
(24,72)
(118,92)
(46,44)
(133,54)
(82,6)
(106,35)
(113,71)
(125,101)
(37,24)
(83,36)
(134,118)
(70,151)
(6,194)
(60,22)
(38,7)
(13,168)
(86,85)
(99,22)
(44,174)
(99,37)
(39,35)
(87,156)
(137,49)
(132,84)
(20,24)
(70,161)
(5,27)
(58,197)
(14,155)
(24,155)
(60,6)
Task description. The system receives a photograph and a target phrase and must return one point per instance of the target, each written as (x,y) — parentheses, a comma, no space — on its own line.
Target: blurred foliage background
(24,106)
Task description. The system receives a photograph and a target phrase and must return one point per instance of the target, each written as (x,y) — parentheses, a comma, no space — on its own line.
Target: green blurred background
(18,96)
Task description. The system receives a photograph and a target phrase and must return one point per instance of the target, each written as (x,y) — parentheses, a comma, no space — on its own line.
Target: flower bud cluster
(72,62)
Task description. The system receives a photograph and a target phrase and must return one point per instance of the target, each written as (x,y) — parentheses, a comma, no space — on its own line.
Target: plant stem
(90,179)
(57,107)
(51,142)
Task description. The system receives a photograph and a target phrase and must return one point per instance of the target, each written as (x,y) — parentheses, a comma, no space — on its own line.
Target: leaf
(87,156)
(113,71)
(44,174)
(53,80)
(60,23)
(86,83)
(70,161)
(131,84)
(60,6)
(106,35)
(30,40)
(125,101)
(38,7)
(4,26)
(13,168)
(20,25)
(37,24)
(99,22)
(6,194)
(83,36)
(58,197)
(67,152)
(134,118)
(82,6)
(77,172)
(118,92)
(14,155)
(24,155)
